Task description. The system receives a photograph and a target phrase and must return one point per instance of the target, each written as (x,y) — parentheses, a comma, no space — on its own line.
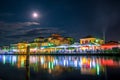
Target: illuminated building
(6,48)
(34,44)
(59,40)
(39,39)
(37,42)
(22,46)
(42,44)
(91,43)
(14,47)
(70,39)
(90,39)
(110,45)
(58,44)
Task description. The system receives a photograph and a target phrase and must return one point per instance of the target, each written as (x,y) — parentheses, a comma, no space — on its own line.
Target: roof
(111,43)
(40,37)
(23,42)
(32,42)
(89,36)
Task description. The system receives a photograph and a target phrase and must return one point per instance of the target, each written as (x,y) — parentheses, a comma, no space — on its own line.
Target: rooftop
(89,36)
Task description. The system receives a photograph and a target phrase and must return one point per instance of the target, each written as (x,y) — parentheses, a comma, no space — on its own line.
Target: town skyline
(49,35)
(28,19)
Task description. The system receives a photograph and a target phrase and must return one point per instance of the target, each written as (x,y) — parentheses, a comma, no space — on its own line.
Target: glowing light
(4,60)
(22,63)
(75,63)
(14,59)
(64,63)
(97,40)
(50,65)
(98,69)
(42,60)
(35,15)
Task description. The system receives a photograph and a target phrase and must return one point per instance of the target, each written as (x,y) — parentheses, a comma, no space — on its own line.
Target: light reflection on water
(91,65)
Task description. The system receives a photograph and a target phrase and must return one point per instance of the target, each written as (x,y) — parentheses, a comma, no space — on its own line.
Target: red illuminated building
(110,45)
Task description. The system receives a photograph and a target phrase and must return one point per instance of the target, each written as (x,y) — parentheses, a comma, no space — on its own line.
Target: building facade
(91,39)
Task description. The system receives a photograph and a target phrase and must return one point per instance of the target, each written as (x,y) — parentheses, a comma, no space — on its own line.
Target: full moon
(35,15)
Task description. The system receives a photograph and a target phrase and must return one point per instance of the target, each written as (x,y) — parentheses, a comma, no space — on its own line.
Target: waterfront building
(58,44)
(37,42)
(34,44)
(6,48)
(71,40)
(91,43)
(59,40)
(14,47)
(22,46)
(91,39)
(39,39)
(110,45)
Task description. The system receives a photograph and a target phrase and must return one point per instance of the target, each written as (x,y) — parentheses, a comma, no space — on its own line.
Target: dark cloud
(20,31)
(17,25)
(35,32)
(9,29)
(29,35)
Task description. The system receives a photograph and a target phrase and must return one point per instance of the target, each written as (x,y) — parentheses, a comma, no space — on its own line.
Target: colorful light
(98,69)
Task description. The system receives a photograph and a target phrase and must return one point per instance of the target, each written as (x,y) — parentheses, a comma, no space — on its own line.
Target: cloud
(29,35)
(17,28)
(35,32)
(27,23)
(13,26)
(20,31)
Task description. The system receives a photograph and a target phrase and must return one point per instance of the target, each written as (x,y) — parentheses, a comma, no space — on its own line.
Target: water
(13,67)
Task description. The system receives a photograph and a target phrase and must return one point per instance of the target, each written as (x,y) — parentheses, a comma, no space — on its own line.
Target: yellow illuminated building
(41,44)
(59,40)
(44,43)
(91,39)
(39,39)
(34,45)
(22,46)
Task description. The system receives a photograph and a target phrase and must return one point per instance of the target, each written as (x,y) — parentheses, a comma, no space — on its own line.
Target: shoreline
(74,54)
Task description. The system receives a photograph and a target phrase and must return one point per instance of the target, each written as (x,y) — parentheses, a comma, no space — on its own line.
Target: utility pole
(104,34)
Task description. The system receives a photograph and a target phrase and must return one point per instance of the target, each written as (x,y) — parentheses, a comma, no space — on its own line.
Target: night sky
(71,18)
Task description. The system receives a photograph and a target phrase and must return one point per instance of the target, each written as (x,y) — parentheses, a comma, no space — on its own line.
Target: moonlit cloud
(10,29)
(35,32)
(17,25)
(30,34)
(20,31)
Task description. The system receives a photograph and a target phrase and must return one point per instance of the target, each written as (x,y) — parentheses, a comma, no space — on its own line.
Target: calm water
(59,68)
